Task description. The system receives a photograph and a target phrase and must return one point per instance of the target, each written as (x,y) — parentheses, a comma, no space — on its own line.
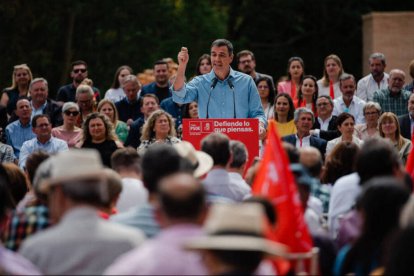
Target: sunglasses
(73,113)
(79,70)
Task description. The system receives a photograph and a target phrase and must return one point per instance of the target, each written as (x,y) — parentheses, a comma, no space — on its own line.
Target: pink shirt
(71,137)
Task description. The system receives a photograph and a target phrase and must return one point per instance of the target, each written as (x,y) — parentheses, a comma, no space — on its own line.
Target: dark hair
(272,92)
(18,183)
(315,95)
(160,161)
(149,95)
(291,105)
(376,149)
(203,57)
(326,97)
(401,252)
(292,59)
(34,120)
(246,261)
(161,62)
(79,62)
(126,158)
(244,53)
(343,117)
(115,83)
(381,201)
(217,145)
(239,152)
(186,109)
(340,162)
(5,195)
(33,161)
(223,42)
(271,215)
(83,191)
(178,205)
(292,152)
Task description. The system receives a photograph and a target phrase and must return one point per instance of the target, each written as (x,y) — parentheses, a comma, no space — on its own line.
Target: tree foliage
(48,35)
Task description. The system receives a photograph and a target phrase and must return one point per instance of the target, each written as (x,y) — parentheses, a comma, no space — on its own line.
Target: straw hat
(74,164)
(237,227)
(201,161)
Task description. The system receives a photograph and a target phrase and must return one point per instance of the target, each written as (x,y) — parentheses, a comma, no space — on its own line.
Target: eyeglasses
(79,70)
(322,104)
(263,87)
(371,113)
(73,113)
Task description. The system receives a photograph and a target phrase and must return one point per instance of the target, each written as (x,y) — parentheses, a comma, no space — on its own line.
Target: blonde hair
(148,130)
(116,116)
(18,67)
(325,78)
(389,116)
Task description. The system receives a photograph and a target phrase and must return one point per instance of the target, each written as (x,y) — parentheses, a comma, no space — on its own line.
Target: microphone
(212,86)
(230,83)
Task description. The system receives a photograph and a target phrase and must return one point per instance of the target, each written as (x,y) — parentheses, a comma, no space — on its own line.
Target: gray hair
(38,80)
(240,154)
(326,97)
(372,105)
(69,105)
(397,71)
(302,110)
(84,89)
(131,78)
(346,76)
(379,56)
(223,42)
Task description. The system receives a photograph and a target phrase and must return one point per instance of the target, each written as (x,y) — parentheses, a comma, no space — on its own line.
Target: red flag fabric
(331,90)
(409,167)
(276,182)
(292,90)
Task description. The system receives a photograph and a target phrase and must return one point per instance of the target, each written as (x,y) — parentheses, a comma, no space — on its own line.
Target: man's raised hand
(183,56)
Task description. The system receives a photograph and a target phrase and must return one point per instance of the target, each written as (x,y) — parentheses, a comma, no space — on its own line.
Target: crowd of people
(95,183)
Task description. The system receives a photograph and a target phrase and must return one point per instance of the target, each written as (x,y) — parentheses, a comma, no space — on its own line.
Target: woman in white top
(332,71)
(267,96)
(116,92)
(346,125)
(389,128)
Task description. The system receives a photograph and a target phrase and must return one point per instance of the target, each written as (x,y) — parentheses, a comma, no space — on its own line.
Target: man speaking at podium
(222,93)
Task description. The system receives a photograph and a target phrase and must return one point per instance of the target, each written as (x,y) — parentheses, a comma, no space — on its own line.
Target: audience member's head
(18,183)
(201,161)
(217,145)
(292,152)
(240,157)
(311,159)
(126,160)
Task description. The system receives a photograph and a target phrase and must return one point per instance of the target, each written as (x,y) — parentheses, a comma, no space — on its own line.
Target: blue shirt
(17,134)
(54,145)
(244,103)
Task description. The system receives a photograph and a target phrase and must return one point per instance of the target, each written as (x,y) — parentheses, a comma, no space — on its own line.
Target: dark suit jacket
(134,135)
(405,126)
(52,109)
(332,131)
(316,142)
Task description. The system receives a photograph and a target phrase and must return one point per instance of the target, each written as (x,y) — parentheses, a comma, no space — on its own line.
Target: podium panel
(243,130)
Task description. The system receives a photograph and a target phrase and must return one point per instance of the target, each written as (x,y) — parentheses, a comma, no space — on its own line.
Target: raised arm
(182,65)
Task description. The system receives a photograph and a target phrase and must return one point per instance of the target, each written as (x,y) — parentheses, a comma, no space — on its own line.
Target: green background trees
(48,35)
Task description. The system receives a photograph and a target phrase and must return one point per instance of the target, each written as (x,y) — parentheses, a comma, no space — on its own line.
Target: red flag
(276,182)
(331,90)
(409,167)
(292,90)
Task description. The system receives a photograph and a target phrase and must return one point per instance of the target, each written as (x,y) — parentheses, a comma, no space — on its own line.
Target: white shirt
(324,90)
(305,142)
(133,194)
(367,86)
(324,124)
(115,94)
(331,144)
(355,108)
(343,196)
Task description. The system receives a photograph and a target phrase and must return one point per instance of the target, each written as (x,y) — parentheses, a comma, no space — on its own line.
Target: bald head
(311,159)
(396,80)
(181,197)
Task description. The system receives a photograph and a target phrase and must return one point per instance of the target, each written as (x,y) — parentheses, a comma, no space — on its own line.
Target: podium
(243,130)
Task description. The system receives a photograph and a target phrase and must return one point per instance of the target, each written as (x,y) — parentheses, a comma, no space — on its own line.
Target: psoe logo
(195,127)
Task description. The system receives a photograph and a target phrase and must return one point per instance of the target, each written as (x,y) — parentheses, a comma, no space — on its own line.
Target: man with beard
(246,63)
(376,80)
(393,98)
(79,72)
(349,102)
(160,87)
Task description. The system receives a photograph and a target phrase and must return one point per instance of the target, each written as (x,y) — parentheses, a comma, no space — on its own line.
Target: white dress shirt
(356,108)
(367,86)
